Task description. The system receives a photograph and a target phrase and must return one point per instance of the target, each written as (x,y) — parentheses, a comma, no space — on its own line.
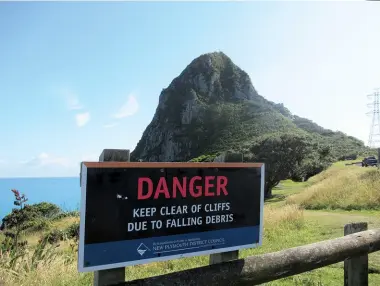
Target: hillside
(212,107)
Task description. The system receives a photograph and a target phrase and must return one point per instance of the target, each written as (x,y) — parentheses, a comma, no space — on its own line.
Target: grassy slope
(342,187)
(286,225)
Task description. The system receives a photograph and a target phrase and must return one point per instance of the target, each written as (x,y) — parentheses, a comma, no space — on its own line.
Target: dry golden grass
(274,216)
(65,222)
(281,221)
(55,272)
(349,188)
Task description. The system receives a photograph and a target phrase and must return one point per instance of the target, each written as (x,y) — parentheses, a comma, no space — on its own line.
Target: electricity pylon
(374,133)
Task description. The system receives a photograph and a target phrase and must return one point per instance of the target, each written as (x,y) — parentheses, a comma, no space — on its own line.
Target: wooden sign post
(356,268)
(230,255)
(114,275)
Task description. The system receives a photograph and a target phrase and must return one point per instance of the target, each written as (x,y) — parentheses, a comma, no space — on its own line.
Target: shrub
(38,224)
(348,157)
(55,236)
(29,213)
(204,158)
(73,231)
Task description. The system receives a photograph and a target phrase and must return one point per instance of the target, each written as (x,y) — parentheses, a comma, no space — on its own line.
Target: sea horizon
(61,191)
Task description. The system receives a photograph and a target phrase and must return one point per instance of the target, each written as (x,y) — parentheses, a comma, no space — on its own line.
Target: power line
(374,134)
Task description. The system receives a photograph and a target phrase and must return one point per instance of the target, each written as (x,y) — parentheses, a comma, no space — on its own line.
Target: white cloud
(111,125)
(43,165)
(129,108)
(44,159)
(72,100)
(73,103)
(82,119)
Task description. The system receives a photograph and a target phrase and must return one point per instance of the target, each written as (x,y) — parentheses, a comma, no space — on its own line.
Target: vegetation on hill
(30,216)
(341,144)
(294,156)
(238,125)
(33,217)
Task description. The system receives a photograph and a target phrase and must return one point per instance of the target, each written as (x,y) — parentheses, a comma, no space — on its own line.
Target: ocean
(64,192)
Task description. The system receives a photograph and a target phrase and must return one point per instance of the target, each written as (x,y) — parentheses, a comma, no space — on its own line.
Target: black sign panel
(133,204)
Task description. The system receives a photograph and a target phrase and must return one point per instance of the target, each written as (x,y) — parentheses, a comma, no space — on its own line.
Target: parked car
(369,161)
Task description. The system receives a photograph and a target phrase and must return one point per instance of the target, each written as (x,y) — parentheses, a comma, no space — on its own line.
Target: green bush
(204,158)
(73,231)
(55,236)
(37,224)
(29,214)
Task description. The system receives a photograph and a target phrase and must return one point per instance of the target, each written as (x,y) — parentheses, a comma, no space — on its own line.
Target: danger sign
(135,213)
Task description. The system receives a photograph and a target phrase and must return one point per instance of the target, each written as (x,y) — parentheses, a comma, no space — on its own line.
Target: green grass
(328,276)
(284,189)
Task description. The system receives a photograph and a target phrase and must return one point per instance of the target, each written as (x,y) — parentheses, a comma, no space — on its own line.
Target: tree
(318,159)
(282,155)
(19,202)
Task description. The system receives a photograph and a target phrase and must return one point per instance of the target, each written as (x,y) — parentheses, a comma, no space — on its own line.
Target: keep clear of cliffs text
(196,187)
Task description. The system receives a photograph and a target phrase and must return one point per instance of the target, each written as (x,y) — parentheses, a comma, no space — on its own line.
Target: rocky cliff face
(211,107)
(207,80)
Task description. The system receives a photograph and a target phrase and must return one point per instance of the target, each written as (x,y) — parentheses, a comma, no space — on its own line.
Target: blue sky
(76,78)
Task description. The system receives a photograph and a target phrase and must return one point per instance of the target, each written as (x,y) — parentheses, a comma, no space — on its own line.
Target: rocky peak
(212,77)
(209,79)
(207,64)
